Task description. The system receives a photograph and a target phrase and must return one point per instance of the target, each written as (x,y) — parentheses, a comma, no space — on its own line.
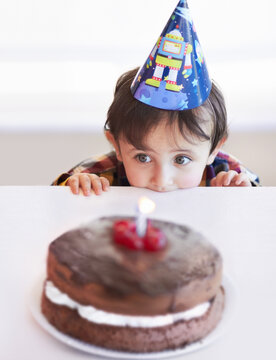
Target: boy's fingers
(105,183)
(96,184)
(223,178)
(213,182)
(85,184)
(73,182)
(220,178)
(238,180)
(229,176)
(242,180)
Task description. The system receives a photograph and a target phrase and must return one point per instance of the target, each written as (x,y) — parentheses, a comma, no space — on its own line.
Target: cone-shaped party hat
(175,76)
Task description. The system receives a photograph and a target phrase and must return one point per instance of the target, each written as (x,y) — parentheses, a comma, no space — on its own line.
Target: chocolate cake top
(92,256)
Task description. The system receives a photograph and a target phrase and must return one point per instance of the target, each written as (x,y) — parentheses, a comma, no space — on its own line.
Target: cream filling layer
(92,314)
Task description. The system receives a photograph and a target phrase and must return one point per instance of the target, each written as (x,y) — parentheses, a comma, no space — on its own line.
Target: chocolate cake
(140,301)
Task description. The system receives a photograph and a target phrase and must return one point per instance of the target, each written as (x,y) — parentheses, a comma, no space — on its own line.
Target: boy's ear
(212,156)
(114,143)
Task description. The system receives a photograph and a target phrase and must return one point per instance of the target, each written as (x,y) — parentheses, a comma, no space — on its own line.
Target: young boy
(167,123)
(161,150)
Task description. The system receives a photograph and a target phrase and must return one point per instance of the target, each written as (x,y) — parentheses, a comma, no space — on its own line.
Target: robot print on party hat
(171,51)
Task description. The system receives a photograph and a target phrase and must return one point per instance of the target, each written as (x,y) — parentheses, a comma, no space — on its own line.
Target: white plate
(230,299)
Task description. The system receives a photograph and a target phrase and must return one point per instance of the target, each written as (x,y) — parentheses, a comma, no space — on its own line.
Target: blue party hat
(175,76)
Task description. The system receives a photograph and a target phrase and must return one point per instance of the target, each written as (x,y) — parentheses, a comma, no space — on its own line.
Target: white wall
(59,59)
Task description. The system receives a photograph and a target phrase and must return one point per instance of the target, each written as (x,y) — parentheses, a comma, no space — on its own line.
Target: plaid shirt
(108,166)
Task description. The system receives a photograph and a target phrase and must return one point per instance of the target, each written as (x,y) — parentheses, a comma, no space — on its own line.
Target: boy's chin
(162,189)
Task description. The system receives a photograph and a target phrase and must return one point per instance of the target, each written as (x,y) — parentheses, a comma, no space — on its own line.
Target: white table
(241,222)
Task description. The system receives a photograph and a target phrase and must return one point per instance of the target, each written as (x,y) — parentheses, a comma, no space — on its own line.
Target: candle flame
(146,205)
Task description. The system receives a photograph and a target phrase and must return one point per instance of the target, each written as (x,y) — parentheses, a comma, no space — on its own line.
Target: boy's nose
(161,178)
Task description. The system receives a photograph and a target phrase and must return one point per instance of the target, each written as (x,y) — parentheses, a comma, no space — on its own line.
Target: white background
(59,59)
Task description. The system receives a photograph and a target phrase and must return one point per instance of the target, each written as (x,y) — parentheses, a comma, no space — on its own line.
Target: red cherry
(124,233)
(154,239)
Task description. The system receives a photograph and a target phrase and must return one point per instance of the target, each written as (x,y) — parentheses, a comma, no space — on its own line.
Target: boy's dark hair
(132,119)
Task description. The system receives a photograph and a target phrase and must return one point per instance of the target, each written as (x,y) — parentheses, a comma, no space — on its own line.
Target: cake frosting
(90,313)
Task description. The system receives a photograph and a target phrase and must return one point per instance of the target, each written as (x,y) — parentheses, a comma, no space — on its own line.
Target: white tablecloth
(241,222)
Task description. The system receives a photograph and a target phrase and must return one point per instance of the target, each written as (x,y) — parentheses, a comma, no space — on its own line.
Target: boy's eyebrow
(140,149)
(182,150)
(147,148)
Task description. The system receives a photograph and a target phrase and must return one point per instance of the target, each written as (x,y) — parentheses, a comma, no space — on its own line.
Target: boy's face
(167,162)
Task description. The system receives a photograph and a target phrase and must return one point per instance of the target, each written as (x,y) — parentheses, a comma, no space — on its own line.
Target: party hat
(175,76)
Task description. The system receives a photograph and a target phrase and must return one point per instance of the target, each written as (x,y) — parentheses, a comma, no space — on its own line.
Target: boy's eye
(182,160)
(143,158)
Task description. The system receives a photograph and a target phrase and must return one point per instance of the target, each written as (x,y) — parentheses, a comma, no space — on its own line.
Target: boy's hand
(86,182)
(230,178)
